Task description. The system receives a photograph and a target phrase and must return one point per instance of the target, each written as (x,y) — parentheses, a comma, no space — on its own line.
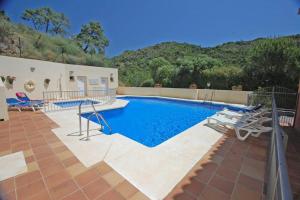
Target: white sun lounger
(243,116)
(225,121)
(252,126)
(254,130)
(231,114)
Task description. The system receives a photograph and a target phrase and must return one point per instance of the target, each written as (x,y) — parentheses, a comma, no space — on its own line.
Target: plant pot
(46,83)
(3,79)
(193,86)
(10,79)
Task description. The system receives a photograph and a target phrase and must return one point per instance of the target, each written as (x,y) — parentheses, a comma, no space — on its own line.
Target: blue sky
(133,24)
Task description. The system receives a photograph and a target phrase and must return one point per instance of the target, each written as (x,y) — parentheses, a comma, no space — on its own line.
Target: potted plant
(237,88)
(111,78)
(3,79)
(47,81)
(193,86)
(10,79)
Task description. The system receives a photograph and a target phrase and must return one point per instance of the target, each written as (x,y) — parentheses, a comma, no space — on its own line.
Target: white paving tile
(12,165)
(154,171)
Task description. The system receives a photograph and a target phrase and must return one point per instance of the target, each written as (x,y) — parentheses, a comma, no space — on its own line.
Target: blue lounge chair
(24,98)
(15,103)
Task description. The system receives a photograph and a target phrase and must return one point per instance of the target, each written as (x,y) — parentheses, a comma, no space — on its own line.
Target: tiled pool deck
(230,170)
(293,160)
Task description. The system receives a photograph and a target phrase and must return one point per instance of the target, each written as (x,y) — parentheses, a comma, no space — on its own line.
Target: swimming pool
(68,104)
(151,120)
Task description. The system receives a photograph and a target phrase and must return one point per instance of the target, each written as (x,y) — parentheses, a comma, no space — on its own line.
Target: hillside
(19,40)
(258,63)
(134,66)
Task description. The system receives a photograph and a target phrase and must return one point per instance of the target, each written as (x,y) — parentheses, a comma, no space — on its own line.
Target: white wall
(91,73)
(20,68)
(297,117)
(3,106)
(227,96)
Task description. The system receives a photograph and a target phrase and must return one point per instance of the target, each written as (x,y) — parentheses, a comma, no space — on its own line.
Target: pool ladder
(99,117)
(211,97)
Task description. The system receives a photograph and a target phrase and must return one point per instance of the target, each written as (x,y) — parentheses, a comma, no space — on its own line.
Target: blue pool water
(151,121)
(67,104)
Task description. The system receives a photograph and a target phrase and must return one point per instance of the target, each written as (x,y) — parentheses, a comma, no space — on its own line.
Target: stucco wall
(56,72)
(3,106)
(91,73)
(228,96)
(297,119)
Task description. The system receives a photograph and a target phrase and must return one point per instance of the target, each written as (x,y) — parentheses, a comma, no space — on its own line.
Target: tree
(47,19)
(201,63)
(6,31)
(165,75)
(155,64)
(223,77)
(190,69)
(60,23)
(91,38)
(273,62)
(3,16)
(184,72)
(40,17)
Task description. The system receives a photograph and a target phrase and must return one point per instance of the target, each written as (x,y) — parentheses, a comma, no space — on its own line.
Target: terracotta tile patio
(230,170)
(293,160)
(53,171)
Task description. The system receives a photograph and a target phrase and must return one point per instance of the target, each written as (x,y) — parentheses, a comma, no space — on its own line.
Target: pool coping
(189,100)
(75,100)
(238,106)
(55,108)
(136,162)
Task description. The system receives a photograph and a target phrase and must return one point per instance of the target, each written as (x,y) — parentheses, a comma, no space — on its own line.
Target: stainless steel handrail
(102,118)
(212,95)
(88,121)
(278,185)
(88,128)
(206,95)
(80,127)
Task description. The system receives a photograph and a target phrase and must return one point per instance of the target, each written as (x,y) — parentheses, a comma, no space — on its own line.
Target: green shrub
(94,61)
(222,77)
(147,83)
(50,55)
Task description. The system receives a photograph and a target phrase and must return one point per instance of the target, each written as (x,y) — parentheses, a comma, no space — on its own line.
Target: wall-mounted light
(32,69)
(71,76)
(111,77)
(208,84)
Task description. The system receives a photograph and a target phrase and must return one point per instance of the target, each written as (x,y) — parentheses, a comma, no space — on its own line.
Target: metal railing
(206,97)
(99,117)
(212,96)
(277,184)
(285,102)
(61,100)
